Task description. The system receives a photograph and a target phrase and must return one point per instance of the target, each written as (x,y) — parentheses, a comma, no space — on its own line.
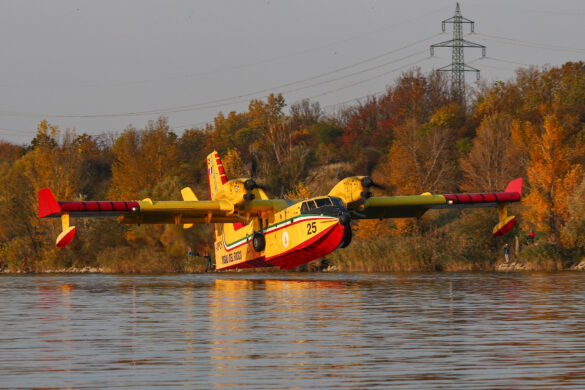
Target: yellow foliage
(300,191)
(371,229)
(233,164)
(143,159)
(554,173)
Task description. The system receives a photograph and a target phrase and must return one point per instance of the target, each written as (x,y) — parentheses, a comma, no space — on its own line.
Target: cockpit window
(307,206)
(337,202)
(323,202)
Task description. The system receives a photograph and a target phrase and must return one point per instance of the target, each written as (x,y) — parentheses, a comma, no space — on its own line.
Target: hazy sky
(103,65)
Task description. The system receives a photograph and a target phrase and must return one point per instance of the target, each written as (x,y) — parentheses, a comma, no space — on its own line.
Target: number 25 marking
(311,228)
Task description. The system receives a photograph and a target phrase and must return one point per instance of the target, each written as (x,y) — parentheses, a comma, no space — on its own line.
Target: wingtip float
(252,230)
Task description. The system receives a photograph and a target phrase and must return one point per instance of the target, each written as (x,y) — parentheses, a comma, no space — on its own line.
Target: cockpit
(331,206)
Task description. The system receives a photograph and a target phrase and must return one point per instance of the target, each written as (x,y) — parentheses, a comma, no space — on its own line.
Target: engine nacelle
(235,191)
(351,191)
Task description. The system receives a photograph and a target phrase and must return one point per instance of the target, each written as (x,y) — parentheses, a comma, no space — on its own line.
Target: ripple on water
(463,330)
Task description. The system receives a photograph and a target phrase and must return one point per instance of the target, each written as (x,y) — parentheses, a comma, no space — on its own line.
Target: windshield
(323,202)
(337,202)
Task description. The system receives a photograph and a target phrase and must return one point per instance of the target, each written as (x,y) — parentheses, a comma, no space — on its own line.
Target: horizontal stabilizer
(188,194)
(48,205)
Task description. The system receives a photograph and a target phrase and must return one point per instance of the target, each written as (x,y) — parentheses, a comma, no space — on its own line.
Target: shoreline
(501,267)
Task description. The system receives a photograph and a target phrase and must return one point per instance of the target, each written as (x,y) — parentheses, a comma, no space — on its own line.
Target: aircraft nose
(344,218)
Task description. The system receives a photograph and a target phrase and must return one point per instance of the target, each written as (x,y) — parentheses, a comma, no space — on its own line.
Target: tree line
(414,138)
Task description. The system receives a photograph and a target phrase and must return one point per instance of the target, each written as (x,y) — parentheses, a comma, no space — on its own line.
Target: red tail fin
(48,205)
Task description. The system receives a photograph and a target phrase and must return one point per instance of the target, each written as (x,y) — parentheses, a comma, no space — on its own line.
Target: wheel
(258,242)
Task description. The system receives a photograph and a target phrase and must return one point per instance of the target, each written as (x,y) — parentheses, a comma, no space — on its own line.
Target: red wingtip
(515,186)
(48,205)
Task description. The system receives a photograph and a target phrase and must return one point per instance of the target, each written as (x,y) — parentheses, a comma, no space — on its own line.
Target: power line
(497,67)
(183,109)
(349,86)
(502,60)
(536,45)
(237,67)
(220,102)
(230,100)
(528,9)
(370,78)
(345,86)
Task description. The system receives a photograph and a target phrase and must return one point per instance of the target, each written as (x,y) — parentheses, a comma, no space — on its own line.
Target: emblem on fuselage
(285,239)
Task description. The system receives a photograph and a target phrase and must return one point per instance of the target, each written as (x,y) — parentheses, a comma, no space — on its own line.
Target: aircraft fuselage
(304,231)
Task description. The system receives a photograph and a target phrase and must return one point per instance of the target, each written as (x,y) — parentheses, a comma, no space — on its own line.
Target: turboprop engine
(354,190)
(238,191)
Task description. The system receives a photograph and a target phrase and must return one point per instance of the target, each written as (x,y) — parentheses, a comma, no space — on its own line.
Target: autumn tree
(193,146)
(553,174)
(143,159)
(233,165)
(9,152)
(421,159)
(493,160)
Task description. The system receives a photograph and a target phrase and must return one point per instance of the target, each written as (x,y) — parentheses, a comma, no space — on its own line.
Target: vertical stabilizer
(215,174)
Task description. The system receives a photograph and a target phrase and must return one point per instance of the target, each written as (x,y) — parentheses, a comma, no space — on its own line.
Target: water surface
(449,330)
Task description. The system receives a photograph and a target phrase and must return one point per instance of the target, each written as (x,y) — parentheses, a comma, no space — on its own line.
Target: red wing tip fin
(515,186)
(48,205)
(66,237)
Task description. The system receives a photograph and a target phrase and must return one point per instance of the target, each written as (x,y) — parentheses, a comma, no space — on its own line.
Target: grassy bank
(427,254)
(419,253)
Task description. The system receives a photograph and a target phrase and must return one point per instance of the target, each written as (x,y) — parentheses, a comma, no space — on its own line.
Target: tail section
(215,174)
(217,178)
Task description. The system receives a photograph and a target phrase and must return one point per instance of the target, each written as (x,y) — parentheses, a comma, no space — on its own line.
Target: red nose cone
(66,237)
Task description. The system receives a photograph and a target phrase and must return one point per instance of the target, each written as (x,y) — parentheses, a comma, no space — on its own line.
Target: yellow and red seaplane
(252,230)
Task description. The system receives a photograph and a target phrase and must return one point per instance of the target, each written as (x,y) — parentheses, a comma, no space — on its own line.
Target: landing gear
(258,242)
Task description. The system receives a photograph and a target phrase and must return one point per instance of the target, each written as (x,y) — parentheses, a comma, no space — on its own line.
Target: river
(413,331)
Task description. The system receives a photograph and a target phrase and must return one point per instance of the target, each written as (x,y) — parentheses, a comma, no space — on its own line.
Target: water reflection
(321,331)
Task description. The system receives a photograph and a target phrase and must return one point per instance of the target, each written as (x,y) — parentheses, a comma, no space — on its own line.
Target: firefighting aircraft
(252,230)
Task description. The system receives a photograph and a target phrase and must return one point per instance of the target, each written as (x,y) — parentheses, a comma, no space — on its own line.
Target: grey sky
(108,64)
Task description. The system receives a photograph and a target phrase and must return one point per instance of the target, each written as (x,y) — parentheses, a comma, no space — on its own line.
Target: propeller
(367,182)
(250,185)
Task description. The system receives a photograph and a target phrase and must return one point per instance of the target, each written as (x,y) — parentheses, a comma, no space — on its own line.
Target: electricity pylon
(458,67)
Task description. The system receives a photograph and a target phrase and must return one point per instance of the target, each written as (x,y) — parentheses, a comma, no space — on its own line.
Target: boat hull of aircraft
(288,245)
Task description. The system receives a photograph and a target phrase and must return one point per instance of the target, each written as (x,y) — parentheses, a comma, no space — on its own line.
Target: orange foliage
(143,159)
(371,229)
(553,175)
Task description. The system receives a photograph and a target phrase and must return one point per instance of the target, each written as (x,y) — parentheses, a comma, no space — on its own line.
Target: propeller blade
(367,182)
(380,186)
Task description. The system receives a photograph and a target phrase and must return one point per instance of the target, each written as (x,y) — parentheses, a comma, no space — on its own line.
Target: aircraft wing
(417,205)
(142,212)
